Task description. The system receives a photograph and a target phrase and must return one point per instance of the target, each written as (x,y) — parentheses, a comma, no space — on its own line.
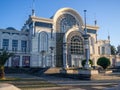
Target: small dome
(10,28)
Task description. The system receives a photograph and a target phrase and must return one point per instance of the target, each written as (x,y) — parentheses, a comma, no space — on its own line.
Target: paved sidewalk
(71,84)
(6,86)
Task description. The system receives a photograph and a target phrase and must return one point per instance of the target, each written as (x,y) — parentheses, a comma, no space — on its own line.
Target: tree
(113,50)
(4,56)
(84,61)
(103,62)
(118,49)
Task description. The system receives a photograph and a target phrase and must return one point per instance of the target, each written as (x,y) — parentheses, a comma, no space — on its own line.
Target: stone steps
(52,71)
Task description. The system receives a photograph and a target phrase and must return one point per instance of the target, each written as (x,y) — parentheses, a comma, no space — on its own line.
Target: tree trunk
(2,73)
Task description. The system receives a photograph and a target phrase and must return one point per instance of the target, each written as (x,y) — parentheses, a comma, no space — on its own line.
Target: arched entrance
(73,51)
(64,20)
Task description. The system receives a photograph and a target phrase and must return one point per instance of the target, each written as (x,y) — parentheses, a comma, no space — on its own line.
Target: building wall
(42,37)
(21,57)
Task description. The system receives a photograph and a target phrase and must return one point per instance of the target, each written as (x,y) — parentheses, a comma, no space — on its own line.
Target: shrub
(103,62)
(84,61)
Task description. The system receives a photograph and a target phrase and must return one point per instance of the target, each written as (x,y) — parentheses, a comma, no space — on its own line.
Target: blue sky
(13,13)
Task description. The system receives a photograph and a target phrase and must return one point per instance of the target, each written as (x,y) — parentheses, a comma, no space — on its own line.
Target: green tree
(4,56)
(113,50)
(84,61)
(103,62)
(118,49)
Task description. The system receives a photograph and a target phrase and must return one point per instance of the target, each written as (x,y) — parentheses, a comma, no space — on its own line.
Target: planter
(79,73)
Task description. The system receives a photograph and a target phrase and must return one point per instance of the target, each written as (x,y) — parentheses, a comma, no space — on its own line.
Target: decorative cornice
(39,19)
(91,27)
(103,41)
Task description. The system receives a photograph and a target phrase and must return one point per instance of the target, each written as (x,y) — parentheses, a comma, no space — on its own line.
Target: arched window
(43,41)
(67,22)
(76,45)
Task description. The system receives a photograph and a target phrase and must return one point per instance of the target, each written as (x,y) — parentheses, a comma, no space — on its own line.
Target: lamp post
(86,43)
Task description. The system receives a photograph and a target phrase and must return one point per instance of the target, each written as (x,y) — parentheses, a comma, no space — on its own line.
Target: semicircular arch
(60,14)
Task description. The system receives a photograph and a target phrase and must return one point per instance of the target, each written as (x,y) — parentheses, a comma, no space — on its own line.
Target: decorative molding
(91,27)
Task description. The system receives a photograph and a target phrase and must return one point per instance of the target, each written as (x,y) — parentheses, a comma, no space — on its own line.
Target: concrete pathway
(71,84)
(6,86)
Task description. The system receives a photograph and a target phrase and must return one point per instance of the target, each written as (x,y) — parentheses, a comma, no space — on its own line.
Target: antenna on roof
(33,6)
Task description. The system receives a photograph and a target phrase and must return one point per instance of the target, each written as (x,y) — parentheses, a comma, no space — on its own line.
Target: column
(44,64)
(43,58)
(87,50)
(10,44)
(86,43)
(20,60)
(52,57)
(9,62)
(65,62)
(52,47)
(39,60)
(53,60)
(19,45)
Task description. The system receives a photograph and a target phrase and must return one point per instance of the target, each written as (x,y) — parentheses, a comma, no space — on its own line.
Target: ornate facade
(54,42)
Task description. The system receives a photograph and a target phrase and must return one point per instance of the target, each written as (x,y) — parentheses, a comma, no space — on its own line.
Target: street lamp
(86,43)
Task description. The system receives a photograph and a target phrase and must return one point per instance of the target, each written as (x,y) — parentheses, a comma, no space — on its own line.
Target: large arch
(60,14)
(73,51)
(64,20)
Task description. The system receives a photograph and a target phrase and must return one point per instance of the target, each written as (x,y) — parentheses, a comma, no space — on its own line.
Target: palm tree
(4,56)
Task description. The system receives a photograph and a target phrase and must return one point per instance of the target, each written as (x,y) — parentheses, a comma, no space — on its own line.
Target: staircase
(52,71)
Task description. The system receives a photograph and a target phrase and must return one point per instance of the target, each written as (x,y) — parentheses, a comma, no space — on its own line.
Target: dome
(10,28)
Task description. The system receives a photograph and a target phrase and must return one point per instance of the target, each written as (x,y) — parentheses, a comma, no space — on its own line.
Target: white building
(54,42)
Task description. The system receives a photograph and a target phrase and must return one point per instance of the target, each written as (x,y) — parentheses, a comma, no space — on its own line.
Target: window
(98,50)
(43,41)
(5,44)
(103,50)
(23,46)
(14,45)
(67,22)
(76,45)
(26,61)
(15,61)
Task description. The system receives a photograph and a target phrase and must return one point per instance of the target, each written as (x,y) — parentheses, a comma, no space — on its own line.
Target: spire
(108,36)
(33,6)
(95,22)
